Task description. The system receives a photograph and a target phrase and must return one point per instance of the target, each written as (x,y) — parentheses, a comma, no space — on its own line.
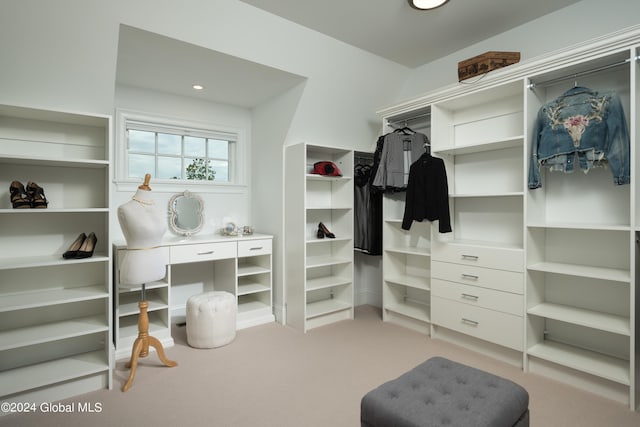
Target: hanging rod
(533,85)
(409,119)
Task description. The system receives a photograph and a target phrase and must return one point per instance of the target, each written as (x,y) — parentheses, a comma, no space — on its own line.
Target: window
(176,153)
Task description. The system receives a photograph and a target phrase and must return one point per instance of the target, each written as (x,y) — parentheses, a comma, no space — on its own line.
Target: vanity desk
(240,265)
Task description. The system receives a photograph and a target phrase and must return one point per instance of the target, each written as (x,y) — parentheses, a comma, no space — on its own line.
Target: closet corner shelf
(414,310)
(593,363)
(578,316)
(327,240)
(410,250)
(326,282)
(320,308)
(603,273)
(422,283)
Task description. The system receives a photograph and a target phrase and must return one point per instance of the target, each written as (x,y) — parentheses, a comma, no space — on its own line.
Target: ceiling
(393,30)
(155,62)
(387,28)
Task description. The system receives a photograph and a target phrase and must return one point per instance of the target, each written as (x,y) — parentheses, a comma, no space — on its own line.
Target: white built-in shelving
(547,277)
(318,271)
(55,314)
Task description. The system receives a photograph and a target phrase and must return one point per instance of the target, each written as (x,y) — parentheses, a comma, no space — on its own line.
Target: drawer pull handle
(206,253)
(470,257)
(470,322)
(469,296)
(469,276)
(257,248)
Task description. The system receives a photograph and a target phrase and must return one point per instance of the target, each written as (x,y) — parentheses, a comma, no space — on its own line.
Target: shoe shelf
(319,271)
(53,372)
(56,313)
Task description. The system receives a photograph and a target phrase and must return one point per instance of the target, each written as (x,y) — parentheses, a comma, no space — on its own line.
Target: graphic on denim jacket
(576,125)
(581,128)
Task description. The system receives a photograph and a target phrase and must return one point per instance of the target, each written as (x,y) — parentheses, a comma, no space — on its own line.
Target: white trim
(238,161)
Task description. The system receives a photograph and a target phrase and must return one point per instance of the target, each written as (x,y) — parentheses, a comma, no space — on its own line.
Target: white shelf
(55,371)
(593,363)
(320,308)
(326,282)
(252,288)
(410,250)
(131,308)
(317,177)
(46,261)
(22,337)
(412,309)
(589,318)
(483,195)
(613,274)
(324,261)
(581,226)
(42,298)
(48,161)
(250,270)
(327,240)
(252,306)
(423,283)
(498,144)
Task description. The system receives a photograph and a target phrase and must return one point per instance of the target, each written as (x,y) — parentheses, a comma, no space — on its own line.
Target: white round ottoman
(211,319)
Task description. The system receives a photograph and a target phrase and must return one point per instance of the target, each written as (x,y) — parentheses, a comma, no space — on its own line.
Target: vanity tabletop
(172,240)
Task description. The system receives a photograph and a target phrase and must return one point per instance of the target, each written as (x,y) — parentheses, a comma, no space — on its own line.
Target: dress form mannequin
(143,226)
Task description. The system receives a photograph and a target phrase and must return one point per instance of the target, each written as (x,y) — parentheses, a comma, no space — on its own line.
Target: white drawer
(481,297)
(493,326)
(181,254)
(481,256)
(254,247)
(502,280)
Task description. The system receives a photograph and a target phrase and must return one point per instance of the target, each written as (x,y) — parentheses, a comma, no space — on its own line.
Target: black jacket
(427,193)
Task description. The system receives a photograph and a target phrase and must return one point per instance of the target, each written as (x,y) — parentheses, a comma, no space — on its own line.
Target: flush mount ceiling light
(426,4)
(197,87)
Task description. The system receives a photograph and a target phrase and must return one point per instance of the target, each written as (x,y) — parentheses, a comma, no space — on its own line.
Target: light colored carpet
(271,375)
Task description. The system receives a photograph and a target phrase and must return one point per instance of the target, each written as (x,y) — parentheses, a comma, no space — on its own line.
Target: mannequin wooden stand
(141,344)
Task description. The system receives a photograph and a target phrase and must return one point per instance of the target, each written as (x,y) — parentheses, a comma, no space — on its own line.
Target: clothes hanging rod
(419,116)
(533,85)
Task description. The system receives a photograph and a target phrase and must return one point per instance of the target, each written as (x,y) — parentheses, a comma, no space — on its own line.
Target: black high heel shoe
(88,246)
(36,194)
(75,246)
(322,228)
(19,197)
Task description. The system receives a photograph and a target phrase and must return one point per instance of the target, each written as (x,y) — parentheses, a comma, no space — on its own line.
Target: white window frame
(157,123)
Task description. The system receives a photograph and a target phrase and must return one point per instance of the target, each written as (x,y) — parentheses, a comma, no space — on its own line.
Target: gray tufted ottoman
(440,392)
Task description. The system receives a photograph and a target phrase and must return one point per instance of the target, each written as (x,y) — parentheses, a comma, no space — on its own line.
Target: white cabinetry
(478,279)
(580,252)
(406,261)
(318,272)
(240,265)
(549,275)
(55,314)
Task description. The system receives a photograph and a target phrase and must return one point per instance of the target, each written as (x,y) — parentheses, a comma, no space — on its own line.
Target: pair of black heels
(323,232)
(82,247)
(30,197)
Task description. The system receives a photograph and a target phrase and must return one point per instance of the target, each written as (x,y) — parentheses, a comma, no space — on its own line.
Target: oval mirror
(186,213)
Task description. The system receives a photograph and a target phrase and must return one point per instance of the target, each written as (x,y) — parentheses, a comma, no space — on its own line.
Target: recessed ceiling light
(197,87)
(426,4)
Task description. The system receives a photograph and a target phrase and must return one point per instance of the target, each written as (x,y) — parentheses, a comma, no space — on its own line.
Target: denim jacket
(584,126)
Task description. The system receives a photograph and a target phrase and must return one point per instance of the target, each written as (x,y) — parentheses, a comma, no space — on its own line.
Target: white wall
(62,55)
(574,24)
